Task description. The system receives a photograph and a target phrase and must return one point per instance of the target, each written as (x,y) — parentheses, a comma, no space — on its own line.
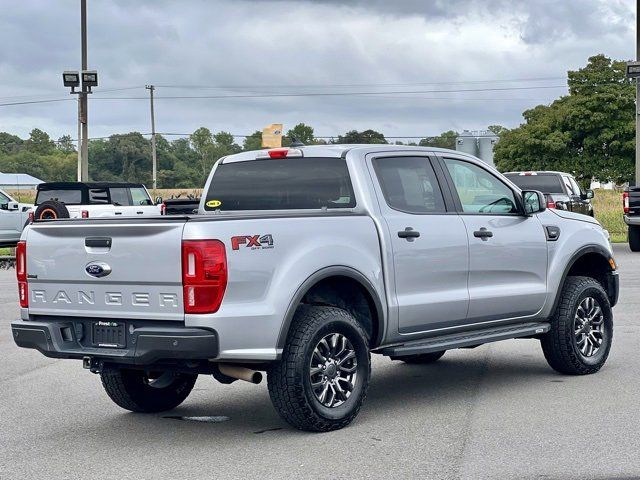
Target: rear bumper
(635,220)
(68,338)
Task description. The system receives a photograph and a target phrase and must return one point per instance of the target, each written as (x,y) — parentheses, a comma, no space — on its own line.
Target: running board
(466,339)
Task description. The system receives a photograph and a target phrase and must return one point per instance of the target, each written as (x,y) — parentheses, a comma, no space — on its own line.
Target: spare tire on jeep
(51,210)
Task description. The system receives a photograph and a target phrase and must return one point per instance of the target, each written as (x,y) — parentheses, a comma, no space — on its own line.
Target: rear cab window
(545,183)
(66,196)
(281,184)
(409,184)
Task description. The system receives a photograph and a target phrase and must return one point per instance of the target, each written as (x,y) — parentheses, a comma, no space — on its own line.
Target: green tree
(444,140)
(590,132)
(302,133)
(10,144)
(202,144)
(39,142)
(365,137)
(253,141)
(65,144)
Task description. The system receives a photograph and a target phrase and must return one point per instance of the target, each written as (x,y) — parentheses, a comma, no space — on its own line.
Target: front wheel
(322,379)
(146,392)
(581,328)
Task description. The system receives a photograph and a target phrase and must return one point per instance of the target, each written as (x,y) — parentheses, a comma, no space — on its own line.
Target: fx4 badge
(254,242)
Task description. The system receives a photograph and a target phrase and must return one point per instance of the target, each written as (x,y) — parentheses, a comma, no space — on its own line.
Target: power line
(331,94)
(318,85)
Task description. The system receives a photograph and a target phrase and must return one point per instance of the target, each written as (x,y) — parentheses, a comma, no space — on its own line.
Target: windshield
(542,183)
(281,184)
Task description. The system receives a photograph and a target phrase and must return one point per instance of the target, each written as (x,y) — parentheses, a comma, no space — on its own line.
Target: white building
(479,144)
(18,181)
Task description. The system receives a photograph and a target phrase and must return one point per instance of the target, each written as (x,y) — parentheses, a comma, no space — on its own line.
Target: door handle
(483,233)
(409,233)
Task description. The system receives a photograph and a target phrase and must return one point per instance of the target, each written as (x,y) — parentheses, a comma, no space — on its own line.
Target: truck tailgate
(108,269)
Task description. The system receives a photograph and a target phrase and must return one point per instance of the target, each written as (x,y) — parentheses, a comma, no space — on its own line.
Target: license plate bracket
(109,334)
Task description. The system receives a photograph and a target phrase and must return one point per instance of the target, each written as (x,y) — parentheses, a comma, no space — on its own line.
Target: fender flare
(611,288)
(335,271)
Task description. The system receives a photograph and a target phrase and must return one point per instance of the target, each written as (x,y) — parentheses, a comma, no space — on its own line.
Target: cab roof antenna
(295,143)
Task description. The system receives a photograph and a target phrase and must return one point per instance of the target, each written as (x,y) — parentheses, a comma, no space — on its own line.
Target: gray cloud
(287,43)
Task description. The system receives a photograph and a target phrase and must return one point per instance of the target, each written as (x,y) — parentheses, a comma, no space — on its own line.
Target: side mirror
(588,195)
(533,201)
(158,200)
(11,206)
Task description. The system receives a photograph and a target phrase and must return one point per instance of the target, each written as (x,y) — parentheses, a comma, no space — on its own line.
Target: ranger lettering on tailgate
(81,297)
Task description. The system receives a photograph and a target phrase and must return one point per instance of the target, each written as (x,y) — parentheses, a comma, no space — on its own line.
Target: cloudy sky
(404,67)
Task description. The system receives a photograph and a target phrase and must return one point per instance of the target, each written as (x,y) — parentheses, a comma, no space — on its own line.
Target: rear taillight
(163,209)
(21,273)
(32,216)
(625,202)
(85,213)
(204,275)
(551,204)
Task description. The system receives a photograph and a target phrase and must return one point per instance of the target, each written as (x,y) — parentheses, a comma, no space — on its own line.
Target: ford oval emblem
(98,269)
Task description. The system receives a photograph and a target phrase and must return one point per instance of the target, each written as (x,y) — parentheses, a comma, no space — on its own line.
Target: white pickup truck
(13,216)
(92,200)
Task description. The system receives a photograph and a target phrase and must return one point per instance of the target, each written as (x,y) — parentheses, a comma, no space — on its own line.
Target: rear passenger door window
(409,184)
(479,191)
(120,197)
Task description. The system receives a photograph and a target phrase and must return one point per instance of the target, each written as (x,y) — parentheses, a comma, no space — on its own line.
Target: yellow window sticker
(213,203)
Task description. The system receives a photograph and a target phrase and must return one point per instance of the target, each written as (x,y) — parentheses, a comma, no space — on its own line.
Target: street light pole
(151,88)
(84,113)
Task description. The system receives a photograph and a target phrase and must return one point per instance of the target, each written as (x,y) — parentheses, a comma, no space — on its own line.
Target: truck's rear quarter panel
(264,279)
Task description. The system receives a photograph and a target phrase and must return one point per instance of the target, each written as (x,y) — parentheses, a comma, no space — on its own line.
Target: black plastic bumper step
(466,339)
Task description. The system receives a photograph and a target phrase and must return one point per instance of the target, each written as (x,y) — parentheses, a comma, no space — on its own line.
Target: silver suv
(304,261)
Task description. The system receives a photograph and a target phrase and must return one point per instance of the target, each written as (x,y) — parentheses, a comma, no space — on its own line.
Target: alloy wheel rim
(333,370)
(588,327)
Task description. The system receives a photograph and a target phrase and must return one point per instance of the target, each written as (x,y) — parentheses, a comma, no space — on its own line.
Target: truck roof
(337,151)
(538,172)
(83,185)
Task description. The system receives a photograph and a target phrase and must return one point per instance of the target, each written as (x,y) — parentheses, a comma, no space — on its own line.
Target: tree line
(589,132)
(182,163)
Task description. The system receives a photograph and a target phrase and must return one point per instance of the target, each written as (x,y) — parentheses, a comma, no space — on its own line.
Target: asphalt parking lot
(497,411)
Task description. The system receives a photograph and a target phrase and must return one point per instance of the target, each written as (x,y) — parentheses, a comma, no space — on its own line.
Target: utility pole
(84,113)
(151,88)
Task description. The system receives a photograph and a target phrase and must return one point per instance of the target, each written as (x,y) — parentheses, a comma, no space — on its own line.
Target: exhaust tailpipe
(240,373)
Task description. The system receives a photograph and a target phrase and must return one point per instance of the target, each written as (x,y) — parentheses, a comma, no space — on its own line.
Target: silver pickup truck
(304,261)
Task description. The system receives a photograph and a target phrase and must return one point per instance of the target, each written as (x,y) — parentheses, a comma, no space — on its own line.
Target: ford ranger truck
(301,263)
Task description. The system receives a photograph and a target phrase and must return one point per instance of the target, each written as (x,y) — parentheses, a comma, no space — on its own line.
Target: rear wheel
(322,379)
(147,392)
(634,238)
(51,210)
(581,328)
(423,358)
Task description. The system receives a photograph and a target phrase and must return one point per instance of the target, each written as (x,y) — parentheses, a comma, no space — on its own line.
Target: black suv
(560,189)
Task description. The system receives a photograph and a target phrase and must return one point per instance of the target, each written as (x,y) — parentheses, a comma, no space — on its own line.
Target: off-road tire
(560,345)
(634,238)
(51,210)
(289,381)
(423,358)
(130,390)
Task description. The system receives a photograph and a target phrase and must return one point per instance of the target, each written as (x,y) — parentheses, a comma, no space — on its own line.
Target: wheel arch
(326,280)
(591,261)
